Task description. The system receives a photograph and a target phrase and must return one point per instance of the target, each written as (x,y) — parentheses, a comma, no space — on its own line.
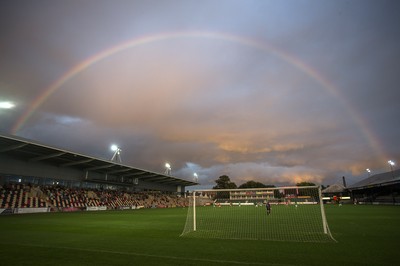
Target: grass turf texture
(366,235)
(288,223)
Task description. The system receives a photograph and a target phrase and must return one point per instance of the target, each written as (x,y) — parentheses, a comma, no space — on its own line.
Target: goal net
(282,214)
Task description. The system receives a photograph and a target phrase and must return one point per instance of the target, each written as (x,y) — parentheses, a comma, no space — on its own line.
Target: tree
(253,184)
(305,192)
(305,184)
(224,182)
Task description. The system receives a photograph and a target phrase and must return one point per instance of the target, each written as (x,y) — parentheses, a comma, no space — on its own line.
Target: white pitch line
(153,256)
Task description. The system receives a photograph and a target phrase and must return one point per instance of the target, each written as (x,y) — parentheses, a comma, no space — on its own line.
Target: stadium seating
(59,197)
(18,196)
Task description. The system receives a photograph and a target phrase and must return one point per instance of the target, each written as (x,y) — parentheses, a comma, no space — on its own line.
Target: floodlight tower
(368,171)
(391,163)
(196,177)
(117,153)
(167,169)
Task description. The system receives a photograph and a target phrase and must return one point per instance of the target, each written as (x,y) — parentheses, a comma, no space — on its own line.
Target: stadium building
(383,188)
(25,162)
(336,193)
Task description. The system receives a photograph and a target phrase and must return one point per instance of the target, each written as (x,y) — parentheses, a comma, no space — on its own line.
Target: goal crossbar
(295,214)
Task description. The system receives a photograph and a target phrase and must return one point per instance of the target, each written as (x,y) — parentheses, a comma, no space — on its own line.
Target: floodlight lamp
(6,105)
(391,162)
(195,175)
(114,147)
(167,169)
(117,153)
(368,170)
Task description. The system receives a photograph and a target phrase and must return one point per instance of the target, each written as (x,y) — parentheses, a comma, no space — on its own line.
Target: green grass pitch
(286,223)
(366,235)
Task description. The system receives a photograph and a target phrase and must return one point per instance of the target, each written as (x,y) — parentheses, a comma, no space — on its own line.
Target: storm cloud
(274,91)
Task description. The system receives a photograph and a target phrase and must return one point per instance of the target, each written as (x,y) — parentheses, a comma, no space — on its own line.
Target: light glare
(114,147)
(6,105)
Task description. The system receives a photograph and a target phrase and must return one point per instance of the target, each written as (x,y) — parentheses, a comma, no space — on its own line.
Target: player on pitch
(268,207)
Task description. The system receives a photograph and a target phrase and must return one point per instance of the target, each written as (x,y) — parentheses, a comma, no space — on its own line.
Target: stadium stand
(41,164)
(336,193)
(59,198)
(20,196)
(383,188)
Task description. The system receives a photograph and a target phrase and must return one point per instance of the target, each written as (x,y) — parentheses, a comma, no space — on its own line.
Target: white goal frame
(263,195)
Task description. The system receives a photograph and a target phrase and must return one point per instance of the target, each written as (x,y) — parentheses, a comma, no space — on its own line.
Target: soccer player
(268,207)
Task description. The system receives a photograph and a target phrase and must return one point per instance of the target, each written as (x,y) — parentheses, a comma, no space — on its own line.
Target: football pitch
(301,223)
(366,235)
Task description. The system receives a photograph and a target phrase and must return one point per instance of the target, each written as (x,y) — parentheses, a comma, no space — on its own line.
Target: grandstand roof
(383,179)
(34,152)
(335,188)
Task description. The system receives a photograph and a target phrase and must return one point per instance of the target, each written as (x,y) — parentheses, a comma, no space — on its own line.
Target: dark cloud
(280,92)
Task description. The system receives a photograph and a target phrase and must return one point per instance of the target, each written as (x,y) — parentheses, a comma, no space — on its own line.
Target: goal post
(279,213)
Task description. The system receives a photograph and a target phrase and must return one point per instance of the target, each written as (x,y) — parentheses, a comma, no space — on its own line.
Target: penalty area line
(151,256)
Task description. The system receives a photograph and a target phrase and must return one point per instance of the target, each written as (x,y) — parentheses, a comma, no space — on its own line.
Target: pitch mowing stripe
(153,256)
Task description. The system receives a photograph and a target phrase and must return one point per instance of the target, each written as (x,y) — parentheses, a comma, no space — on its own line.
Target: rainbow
(308,70)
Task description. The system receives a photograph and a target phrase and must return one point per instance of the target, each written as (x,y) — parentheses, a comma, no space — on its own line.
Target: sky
(278,92)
